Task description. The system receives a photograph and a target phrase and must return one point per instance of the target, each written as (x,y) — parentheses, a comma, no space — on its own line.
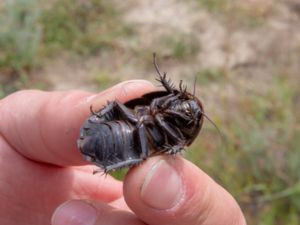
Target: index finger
(44,126)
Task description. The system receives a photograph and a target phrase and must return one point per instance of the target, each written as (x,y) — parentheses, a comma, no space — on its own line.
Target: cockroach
(123,135)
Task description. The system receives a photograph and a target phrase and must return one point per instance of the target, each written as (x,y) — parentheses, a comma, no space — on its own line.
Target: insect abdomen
(110,144)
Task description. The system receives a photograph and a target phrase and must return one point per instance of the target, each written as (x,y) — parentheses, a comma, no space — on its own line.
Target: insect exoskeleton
(124,135)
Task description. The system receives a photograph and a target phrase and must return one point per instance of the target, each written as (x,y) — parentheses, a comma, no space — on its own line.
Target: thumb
(167,190)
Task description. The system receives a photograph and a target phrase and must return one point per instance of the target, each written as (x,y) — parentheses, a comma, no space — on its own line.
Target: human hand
(41,167)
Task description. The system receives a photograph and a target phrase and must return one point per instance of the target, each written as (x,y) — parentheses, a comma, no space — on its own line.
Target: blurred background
(245,55)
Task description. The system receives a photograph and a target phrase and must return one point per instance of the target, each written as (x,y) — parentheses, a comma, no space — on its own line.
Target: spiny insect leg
(122,164)
(172,150)
(162,78)
(180,115)
(143,141)
(116,107)
(171,132)
(162,102)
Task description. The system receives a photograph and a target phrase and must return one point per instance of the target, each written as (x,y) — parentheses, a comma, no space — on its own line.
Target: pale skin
(45,180)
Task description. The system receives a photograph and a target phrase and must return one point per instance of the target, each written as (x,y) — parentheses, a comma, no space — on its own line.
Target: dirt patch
(248,55)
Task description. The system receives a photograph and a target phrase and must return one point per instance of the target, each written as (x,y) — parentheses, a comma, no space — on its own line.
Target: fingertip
(89,212)
(171,190)
(75,212)
(154,190)
(159,181)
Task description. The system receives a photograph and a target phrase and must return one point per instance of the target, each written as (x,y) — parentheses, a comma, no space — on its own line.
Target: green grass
(214,5)
(176,46)
(179,46)
(32,32)
(119,174)
(20,34)
(236,13)
(105,79)
(84,27)
(211,75)
(260,162)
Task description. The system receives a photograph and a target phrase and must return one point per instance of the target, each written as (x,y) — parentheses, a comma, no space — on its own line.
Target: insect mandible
(123,135)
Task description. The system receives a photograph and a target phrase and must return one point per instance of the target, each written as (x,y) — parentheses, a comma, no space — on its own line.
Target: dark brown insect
(123,135)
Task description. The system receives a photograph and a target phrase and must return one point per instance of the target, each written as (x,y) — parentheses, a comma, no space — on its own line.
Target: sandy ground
(250,55)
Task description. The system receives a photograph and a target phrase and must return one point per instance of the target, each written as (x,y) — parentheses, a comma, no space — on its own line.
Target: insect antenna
(223,138)
(194,91)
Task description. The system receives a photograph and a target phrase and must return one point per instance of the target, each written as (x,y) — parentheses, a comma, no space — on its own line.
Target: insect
(124,135)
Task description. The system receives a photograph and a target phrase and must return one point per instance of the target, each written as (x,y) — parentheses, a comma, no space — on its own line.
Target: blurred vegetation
(214,5)
(84,27)
(260,156)
(104,79)
(238,13)
(209,75)
(20,34)
(179,46)
(33,31)
(258,162)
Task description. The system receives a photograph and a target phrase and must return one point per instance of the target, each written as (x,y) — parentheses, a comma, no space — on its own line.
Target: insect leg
(177,114)
(169,100)
(122,164)
(143,141)
(171,132)
(162,78)
(163,102)
(157,102)
(117,107)
(126,113)
(176,149)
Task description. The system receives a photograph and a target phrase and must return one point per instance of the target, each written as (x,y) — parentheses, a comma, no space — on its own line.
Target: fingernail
(135,83)
(120,90)
(162,188)
(131,86)
(74,212)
